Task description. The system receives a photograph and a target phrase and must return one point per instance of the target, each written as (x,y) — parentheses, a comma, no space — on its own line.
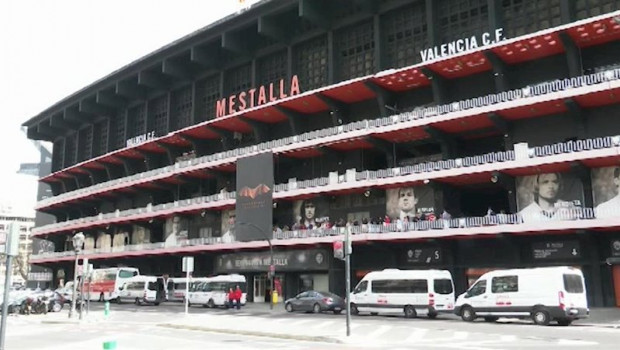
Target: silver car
(313,301)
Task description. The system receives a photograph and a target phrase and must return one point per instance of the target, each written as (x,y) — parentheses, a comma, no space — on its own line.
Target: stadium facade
(465,135)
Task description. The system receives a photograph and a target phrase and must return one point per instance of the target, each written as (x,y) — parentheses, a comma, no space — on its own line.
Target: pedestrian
(231,298)
(237,296)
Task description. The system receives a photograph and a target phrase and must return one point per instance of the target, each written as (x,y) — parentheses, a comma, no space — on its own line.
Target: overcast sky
(51,49)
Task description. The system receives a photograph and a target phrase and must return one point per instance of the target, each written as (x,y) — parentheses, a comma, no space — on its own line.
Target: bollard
(106,309)
(109,345)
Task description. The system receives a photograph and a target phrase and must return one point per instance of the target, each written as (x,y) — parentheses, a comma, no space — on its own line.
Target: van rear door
(443,294)
(574,293)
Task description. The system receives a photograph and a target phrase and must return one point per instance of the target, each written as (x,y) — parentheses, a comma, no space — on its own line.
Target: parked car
(314,301)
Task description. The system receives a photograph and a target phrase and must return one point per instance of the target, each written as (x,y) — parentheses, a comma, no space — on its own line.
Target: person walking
(231,298)
(237,295)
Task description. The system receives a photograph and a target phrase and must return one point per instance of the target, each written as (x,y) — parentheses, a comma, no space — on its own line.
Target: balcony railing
(370,126)
(454,224)
(434,166)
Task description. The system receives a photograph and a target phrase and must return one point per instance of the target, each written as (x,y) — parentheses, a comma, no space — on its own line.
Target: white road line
(417,335)
(377,332)
(571,342)
(300,322)
(507,338)
(322,325)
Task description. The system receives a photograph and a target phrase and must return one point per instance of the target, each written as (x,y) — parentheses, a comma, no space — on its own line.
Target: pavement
(258,321)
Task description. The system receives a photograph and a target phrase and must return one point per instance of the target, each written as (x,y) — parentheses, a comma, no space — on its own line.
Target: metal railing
(456,224)
(420,113)
(427,167)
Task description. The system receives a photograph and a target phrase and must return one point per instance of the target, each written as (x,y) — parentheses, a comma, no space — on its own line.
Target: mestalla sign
(290,260)
(462,45)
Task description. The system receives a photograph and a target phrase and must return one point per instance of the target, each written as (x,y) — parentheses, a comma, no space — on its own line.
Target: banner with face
(311,212)
(408,201)
(606,192)
(548,196)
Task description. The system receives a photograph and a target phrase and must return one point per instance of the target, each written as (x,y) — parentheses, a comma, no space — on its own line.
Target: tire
(541,317)
(564,322)
(316,308)
(374,313)
(211,304)
(354,310)
(57,307)
(410,312)
(432,315)
(156,304)
(101,298)
(118,300)
(468,314)
(289,307)
(337,312)
(137,301)
(490,319)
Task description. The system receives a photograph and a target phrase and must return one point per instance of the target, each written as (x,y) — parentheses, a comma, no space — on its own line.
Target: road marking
(572,342)
(322,324)
(508,338)
(377,332)
(417,335)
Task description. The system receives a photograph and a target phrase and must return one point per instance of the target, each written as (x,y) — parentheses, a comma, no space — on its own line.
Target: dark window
(71,149)
(354,47)
(238,79)
(182,108)
(527,16)
(180,286)
(208,92)
(478,289)
(310,59)
(100,134)
(462,19)
(505,284)
(442,286)
(573,283)
(154,286)
(117,131)
(126,274)
(361,287)
(160,114)
(85,141)
(590,8)
(137,121)
(58,151)
(405,35)
(272,68)
(399,286)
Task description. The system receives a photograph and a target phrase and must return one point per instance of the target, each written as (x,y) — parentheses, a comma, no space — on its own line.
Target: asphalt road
(139,327)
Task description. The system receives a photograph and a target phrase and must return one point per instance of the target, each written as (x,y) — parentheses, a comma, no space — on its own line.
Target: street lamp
(78,240)
(272,267)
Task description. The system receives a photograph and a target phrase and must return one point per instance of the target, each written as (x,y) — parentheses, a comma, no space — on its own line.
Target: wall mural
(311,213)
(606,192)
(409,202)
(549,196)
(140,235)
(228,225)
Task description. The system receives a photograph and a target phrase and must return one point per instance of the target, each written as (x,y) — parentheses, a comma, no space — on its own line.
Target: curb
(599,325)
(321,339)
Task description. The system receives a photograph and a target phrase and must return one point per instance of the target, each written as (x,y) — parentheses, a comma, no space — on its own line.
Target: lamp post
(78,240)
(272,267)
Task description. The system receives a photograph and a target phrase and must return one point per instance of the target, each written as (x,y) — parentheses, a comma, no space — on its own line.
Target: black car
(314,301)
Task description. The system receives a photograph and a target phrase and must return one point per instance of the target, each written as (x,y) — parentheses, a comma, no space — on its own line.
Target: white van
(143,289)
(177,289)
(411,292)
(213,291)
(544,294)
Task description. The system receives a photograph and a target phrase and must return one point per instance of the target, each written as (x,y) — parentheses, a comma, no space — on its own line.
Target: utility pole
(11,250)
(347,274)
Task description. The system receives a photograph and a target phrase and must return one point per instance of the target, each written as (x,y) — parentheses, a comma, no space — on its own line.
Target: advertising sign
(254,204)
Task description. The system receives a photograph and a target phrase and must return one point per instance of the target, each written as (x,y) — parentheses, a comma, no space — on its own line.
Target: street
(165,327)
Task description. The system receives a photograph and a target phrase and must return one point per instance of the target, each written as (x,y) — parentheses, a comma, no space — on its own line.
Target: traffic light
(338,249)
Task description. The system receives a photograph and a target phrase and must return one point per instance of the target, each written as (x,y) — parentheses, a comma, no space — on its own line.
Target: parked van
(213,291)
(178,289)
(410,292)
(543,294)
(143,289)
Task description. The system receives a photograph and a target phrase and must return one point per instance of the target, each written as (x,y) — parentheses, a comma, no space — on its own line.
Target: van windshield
(442,286)
(573,283)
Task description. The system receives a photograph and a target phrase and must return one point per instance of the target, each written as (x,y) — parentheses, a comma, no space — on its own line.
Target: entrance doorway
(616,277)
(261,284)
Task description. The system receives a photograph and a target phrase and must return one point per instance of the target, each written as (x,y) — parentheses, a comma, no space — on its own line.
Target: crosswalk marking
(377,332)
(416,335)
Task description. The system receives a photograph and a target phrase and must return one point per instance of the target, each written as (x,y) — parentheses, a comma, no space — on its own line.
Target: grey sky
(51,49)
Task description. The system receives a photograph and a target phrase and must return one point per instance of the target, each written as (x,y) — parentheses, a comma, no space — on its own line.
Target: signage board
(423,255)
(188,264)
(615,247)
(556,250)
(254,202)
(292,260)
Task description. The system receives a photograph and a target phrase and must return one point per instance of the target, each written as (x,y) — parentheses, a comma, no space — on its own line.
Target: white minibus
(543,294)
(143,290)
(410,292)
(213,291)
